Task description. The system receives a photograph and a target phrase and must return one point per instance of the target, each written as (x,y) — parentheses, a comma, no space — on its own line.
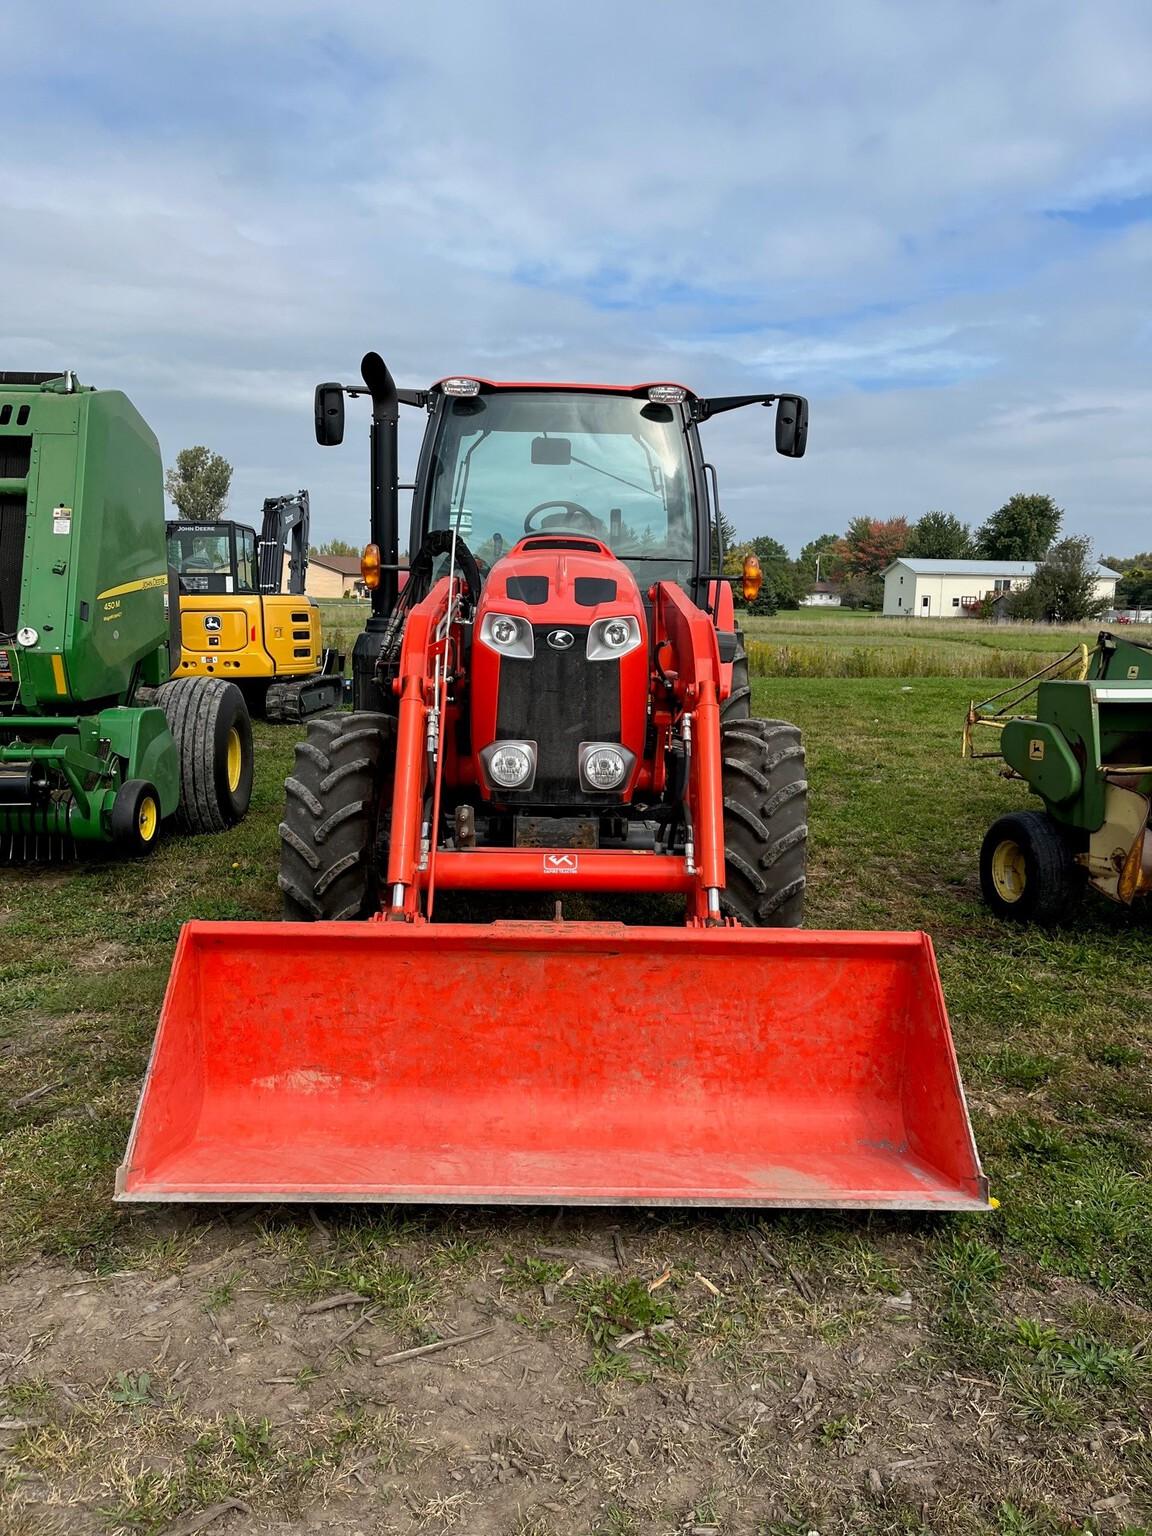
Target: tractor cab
(623,469)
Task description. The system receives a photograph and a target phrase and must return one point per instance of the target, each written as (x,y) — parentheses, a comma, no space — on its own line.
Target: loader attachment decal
(561,863)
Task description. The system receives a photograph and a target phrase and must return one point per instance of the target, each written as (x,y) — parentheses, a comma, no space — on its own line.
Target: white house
(955,589)
(821,594)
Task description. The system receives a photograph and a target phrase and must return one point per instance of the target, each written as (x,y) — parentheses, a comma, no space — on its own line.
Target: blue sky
(935,220)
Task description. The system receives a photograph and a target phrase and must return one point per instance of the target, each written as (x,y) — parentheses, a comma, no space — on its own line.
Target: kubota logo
(561,863)
(561,639)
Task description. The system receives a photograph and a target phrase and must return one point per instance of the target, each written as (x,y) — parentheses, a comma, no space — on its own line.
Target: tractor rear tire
(210,724)
(765,823)
(738,704)
(1028,873)
(334,802)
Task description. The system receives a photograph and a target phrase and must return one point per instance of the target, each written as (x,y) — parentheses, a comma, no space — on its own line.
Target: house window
(955,602)
(924,601)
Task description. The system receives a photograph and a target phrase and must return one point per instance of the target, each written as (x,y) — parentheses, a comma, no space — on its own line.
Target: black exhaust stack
(385,506)
(384,522)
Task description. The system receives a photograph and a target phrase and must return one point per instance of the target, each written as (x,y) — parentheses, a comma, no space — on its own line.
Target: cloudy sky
(935,219)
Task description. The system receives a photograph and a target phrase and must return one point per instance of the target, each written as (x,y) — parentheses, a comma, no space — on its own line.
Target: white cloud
(212,206)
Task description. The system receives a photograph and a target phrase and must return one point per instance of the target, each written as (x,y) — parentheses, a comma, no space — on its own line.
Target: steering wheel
(584,519)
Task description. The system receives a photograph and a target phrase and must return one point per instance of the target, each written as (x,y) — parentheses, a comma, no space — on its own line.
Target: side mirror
(330,415)
(792,426)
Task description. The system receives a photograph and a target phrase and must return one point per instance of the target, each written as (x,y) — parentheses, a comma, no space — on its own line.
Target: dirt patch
(104,955)
(768,1382)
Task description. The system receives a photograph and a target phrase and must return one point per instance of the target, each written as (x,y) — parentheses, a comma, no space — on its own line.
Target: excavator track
(289,702)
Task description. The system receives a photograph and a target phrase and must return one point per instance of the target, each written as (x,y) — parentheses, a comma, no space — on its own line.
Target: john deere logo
(211,621)
(561,639)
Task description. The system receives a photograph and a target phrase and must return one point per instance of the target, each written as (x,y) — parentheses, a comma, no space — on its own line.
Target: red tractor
(555,702)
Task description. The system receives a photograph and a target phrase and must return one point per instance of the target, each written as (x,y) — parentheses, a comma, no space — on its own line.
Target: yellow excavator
(238,622)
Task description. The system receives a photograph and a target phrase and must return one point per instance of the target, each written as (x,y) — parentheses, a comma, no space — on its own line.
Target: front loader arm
(427,642)
(690,657)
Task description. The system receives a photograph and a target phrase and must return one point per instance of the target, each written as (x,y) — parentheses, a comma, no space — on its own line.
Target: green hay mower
(1086,751)
(97,745)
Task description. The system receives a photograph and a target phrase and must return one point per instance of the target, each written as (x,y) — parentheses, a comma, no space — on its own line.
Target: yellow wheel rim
(148,819)
(1009,874)
(235,760)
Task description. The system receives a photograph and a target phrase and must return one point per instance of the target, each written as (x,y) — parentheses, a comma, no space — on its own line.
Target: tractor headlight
(510,764)
(603,765)
(609,638)
(508,635)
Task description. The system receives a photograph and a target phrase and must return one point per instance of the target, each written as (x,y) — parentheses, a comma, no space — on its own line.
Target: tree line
(1026,527)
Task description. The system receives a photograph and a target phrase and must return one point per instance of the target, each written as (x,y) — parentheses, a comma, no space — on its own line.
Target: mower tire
(738,704)
(1027,869)
(135,821)
(765,823)
(329,867)
(210,724)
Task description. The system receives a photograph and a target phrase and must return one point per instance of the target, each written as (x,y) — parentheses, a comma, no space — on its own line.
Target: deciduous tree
(1024,528)
(872,543)
(940,536)
(1063,590)
(198,484)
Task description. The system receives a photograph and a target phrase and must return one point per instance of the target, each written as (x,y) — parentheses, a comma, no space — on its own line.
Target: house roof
(978,567)
(821,586)
(346,565)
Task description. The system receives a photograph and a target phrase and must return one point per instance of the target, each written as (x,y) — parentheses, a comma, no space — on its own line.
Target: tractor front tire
(210,724)
(738,704)
(334,798)
(765,823)
(1028,873)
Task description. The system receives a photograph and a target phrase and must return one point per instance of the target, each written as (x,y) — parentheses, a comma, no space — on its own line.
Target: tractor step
(553,1063)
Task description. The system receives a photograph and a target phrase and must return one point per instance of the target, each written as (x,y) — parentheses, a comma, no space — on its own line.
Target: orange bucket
(553,1063)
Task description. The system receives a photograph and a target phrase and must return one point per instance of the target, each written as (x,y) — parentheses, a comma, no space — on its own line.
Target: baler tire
(212,730)
(329,868)
(1027,853)
(765,823)
(135,820)
(738,704)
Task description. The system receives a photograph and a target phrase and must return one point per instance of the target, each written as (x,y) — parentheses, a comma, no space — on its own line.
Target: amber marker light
(370,566)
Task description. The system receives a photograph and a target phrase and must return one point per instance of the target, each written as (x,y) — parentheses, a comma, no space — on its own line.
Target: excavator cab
(244,614)
(555,705)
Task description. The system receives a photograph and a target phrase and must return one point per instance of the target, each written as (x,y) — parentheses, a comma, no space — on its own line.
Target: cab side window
(245,560)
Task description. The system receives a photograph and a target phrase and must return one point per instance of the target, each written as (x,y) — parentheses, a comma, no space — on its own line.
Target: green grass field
(801,1372)
(837,642)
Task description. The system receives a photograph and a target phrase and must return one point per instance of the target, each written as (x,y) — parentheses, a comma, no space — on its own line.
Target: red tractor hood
(562,579)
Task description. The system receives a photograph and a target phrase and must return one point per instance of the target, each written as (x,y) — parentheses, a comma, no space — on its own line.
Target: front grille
(558,699)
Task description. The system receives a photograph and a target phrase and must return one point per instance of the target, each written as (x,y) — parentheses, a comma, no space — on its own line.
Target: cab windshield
(207,560)
(547,461)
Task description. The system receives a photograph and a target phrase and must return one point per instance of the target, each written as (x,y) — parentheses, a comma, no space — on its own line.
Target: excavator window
(213,558)
(245,560)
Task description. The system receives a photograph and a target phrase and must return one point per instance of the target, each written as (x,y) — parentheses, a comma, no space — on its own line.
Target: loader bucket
(553,1063)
